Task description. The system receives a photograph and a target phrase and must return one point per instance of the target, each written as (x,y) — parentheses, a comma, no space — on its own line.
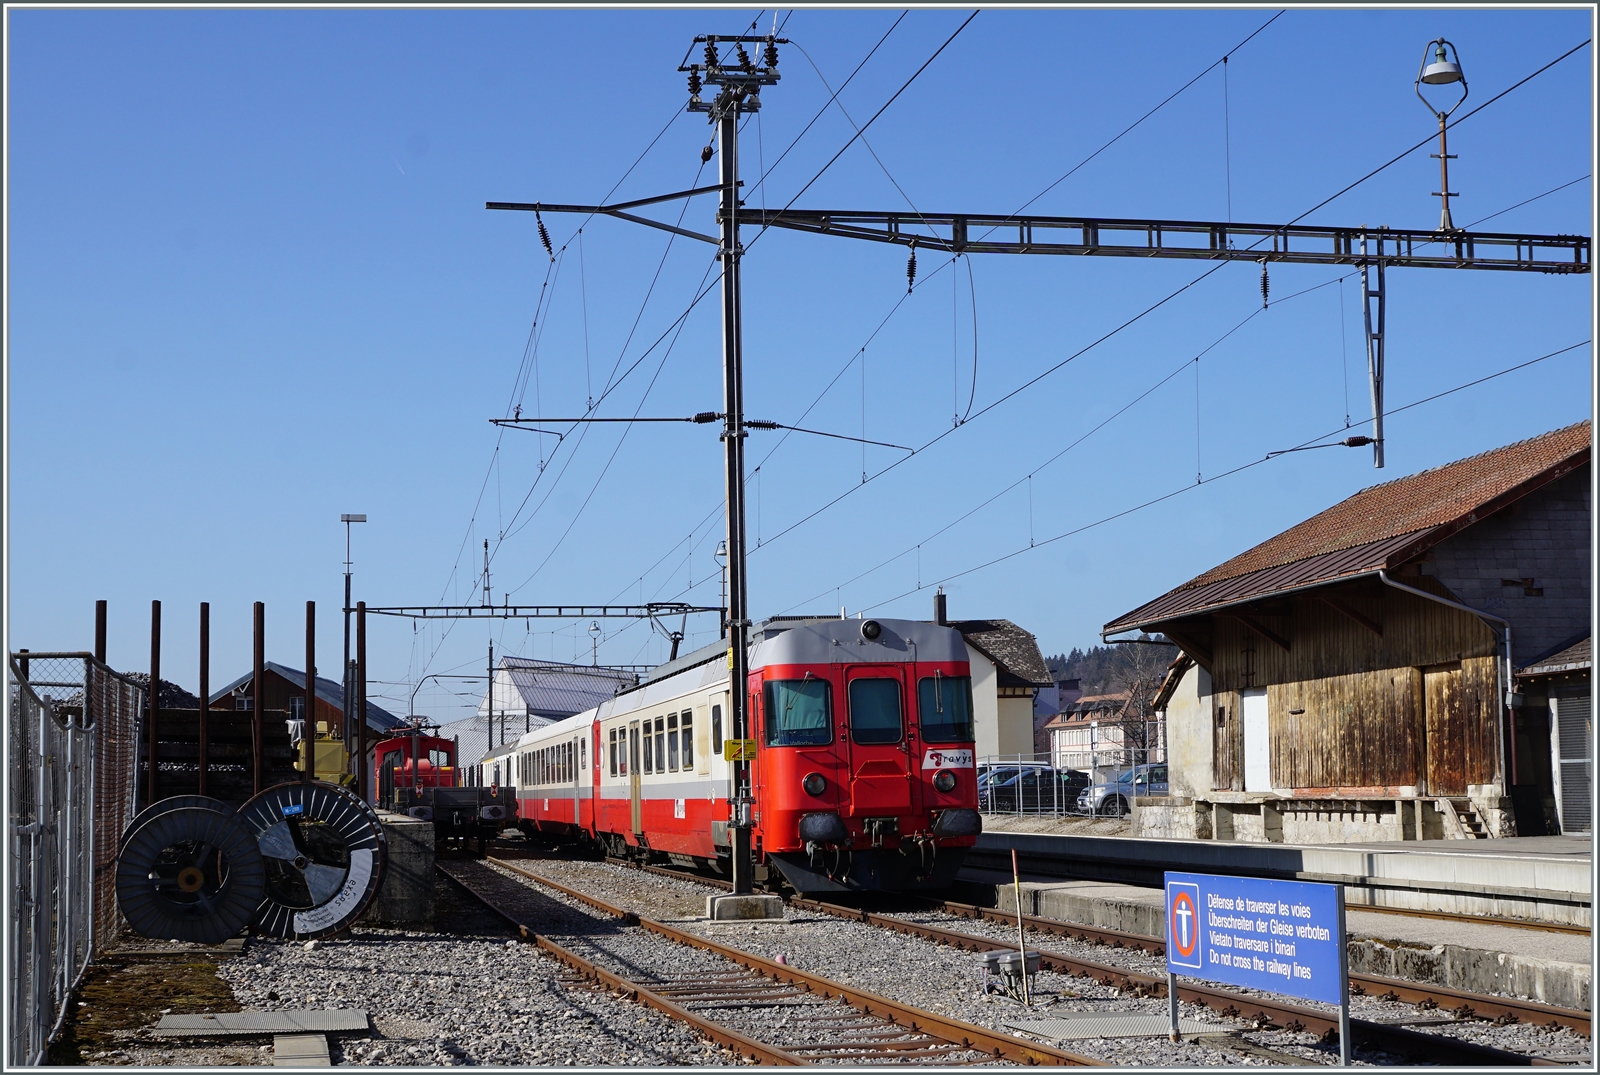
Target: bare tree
(1140,669)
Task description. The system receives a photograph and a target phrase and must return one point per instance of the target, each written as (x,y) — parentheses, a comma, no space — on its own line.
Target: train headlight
(814,783)
(944,780)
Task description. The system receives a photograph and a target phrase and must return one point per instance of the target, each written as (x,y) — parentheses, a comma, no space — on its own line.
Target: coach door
(635,805)
(880,744)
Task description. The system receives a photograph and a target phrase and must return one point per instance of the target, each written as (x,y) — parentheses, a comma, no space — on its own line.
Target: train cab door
(636,805)
(878,742)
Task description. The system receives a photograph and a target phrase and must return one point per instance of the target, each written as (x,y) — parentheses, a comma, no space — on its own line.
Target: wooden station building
(1354,677)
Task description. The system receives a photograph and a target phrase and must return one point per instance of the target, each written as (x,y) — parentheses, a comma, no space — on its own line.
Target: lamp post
(594,642)
(721,557)
(344,699)
(411,709)
(1441,72)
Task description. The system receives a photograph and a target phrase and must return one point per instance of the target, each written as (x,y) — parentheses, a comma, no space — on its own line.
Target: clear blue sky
(252,285)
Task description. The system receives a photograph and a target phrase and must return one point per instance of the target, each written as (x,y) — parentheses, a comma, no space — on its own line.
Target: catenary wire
(1214,478)
(1130,321)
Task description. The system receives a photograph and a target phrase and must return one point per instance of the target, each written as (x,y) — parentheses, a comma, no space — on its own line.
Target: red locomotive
(863,775)
(416,774)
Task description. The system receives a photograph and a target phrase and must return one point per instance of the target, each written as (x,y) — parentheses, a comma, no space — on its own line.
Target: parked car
(1035,790)
(1114,798)
(992,773)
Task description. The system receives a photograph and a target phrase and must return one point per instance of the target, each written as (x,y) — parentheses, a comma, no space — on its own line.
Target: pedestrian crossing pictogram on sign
(1183,924)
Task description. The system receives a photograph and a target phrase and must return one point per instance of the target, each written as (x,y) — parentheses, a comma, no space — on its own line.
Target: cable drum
(323,850)
(189,872)
(175,802)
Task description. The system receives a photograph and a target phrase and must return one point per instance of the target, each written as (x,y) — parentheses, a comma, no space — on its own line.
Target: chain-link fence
(72,758)
(1101,781)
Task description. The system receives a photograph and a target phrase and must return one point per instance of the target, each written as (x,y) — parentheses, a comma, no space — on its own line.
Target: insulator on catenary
(711,54)
(705,154)
(744,58)
(694,83)
(1265,284)
(544,235)
(771,54)
(911,269)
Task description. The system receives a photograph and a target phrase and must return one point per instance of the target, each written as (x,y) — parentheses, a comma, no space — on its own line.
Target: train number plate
(947,759)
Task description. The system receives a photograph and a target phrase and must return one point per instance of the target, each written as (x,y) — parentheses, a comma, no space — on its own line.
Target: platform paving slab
(301,1051)
(1547,879)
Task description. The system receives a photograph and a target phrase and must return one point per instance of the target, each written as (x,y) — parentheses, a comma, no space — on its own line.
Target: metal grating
(337,1020)
(1070,1026)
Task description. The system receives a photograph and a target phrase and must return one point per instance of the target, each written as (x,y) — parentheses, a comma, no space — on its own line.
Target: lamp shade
(1441,71)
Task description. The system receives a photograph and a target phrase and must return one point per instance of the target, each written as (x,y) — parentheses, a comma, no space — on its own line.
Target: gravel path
(469,996)
(943,980)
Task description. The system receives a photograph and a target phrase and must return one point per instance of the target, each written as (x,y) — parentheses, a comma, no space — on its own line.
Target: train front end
(864,774)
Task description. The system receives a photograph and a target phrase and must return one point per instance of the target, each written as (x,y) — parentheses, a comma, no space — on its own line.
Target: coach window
(583,755)
(716,729)
(622,752)
(875,711)
(944,709)
(661,744)
(799,712)
(672,742)
(649,749)
(686,727)
(612,752)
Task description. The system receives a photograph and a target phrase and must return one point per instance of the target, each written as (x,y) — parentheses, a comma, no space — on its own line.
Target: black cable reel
(322,849)
(189,870)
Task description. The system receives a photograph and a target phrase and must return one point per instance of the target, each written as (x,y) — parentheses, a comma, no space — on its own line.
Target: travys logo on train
(947,759)
(1183,924)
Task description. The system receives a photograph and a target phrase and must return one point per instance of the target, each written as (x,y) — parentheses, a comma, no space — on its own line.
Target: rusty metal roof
(1575,658)
(1382,526)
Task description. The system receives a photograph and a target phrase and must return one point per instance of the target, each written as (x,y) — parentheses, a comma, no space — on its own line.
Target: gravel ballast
(943,980)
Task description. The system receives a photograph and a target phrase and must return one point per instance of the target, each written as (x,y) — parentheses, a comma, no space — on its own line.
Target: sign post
(1283,937)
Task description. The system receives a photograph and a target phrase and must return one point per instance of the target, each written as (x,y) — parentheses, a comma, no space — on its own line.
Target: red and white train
(863,775)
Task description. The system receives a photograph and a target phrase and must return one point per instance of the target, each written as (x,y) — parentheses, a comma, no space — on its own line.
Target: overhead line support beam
(1295,244)
(543,612)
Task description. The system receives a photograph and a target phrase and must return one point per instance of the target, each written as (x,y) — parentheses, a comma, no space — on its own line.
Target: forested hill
(1099,668)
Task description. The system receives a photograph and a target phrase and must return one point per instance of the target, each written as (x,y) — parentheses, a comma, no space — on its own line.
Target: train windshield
(799,713)
(875,710)
(944,709)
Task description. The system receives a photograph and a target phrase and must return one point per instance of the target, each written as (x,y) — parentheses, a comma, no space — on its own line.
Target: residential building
(1007,672)
(284,690)
(1351,678)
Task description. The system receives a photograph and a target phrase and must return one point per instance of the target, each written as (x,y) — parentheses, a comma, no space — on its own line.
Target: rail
(954,1031)
(1463,1005)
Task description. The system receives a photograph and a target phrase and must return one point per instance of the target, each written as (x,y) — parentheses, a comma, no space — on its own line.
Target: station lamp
(1445,69)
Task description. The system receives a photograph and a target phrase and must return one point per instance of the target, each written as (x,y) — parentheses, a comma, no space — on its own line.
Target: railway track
(1459,1005)
(837,1023)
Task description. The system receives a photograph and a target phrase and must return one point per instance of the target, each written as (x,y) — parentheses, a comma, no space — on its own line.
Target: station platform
(1545,879)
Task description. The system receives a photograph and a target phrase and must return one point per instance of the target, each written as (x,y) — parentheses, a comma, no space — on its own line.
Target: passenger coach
(863,776)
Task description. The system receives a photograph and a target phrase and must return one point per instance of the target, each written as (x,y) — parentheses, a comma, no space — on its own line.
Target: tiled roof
(1574,658)
(1379,527)
(1090,707)
(1014,651)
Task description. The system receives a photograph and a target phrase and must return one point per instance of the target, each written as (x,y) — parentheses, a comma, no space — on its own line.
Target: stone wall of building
(1543,537)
